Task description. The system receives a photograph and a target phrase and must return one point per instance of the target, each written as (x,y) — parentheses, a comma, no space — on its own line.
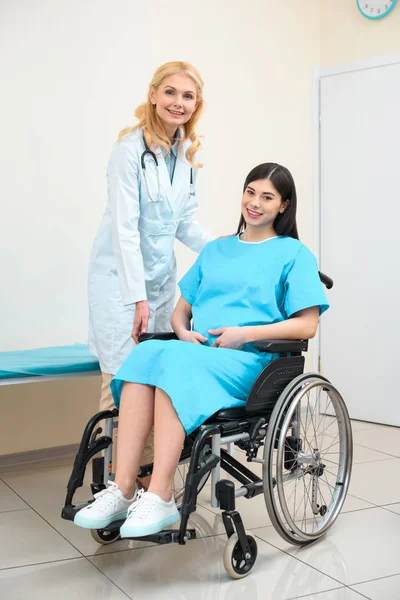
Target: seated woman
(261,284)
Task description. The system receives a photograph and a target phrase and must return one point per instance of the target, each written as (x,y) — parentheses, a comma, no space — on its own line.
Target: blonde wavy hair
(148,119)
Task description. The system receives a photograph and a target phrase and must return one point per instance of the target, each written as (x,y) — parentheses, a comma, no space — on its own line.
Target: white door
(360,238)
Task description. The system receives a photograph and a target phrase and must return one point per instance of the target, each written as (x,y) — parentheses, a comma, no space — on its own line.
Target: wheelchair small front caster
(236,565)
(104,537)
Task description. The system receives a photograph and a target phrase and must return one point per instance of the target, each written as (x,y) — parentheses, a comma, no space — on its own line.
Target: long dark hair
(281,178)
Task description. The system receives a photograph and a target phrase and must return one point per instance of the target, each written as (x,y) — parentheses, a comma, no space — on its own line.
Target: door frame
(318,74)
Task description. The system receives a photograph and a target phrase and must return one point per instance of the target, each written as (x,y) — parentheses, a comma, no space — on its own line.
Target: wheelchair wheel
(307,478)
(104,537)
(235,563)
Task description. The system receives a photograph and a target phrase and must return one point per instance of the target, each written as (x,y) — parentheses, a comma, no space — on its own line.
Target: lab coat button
(156,288)
(163,260)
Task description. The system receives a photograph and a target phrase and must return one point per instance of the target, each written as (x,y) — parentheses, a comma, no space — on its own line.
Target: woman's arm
(181,316)
(180,322)
(303,326)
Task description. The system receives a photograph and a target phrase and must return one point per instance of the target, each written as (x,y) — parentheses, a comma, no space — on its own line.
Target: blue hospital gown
(232,283)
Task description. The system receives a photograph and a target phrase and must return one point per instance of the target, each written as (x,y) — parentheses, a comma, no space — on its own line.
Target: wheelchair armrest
(168,335)
(282,346)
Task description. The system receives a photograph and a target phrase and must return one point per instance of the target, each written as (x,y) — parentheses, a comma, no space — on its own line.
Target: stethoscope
(149,152)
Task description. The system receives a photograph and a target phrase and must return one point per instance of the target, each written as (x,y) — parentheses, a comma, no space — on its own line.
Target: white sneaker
(149,514)
(109,505)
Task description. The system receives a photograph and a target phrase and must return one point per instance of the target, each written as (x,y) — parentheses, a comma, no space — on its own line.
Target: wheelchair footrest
(69,511)
(167,536)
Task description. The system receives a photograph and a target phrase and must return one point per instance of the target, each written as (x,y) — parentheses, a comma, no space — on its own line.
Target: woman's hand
(229,337)
(141,320)
(191,336)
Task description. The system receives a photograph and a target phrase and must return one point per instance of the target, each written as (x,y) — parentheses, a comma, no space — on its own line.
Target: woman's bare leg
(169,437)
(136,418)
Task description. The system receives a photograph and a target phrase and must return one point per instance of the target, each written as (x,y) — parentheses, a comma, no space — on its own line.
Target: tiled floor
(43,557)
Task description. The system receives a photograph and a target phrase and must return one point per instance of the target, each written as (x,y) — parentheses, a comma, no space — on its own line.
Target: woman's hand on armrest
(180,322)
(302,326)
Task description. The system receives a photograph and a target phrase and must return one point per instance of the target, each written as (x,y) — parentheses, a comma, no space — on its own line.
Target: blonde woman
(152,200)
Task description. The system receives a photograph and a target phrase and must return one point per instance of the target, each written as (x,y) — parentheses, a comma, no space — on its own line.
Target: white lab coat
(133,254)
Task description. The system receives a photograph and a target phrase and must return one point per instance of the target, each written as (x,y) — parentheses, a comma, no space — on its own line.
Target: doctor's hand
(229,337)
(192,337)
(141,320)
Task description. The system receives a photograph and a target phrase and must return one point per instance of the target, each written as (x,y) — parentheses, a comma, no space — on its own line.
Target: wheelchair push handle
(327,281)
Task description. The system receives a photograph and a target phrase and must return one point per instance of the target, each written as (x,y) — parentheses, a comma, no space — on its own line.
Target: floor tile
(353,503)
(26,539)
(196,571)
(363,425)
(9,500)
(393,507)
(343,593)
(381,589)
(45,487)
(383,439)
(376,482)
(361,545)
(205,522)
(361,454)
(66,580)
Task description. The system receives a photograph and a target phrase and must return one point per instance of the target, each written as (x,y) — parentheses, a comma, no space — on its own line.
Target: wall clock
(375,9)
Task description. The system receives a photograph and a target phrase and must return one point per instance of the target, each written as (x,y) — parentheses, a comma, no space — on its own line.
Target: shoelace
(111,489)
(141,507)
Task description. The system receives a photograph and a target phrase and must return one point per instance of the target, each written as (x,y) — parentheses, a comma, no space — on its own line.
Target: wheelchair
(300,423)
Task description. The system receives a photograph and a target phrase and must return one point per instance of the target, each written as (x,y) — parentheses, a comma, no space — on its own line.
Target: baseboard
(35,456)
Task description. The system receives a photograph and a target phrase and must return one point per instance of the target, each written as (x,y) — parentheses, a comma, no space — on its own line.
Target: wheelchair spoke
(330,486)
(306,497)
(309,501)
(332,462)
(322,496)
(297,510)
(327,427)
(313,424)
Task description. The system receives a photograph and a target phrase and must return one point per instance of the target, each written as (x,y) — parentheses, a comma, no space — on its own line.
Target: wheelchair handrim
(287,524)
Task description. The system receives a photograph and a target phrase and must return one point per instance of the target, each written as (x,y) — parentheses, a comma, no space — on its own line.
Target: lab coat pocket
(157,227)
(157,245)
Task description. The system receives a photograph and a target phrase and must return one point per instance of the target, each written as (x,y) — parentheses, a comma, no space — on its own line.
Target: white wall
(74,73)
(347,36)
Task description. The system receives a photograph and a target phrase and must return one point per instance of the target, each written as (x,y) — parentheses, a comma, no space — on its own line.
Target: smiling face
(175,100)
(261,203)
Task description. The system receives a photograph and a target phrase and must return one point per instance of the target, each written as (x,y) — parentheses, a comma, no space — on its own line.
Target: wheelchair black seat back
(300,423)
